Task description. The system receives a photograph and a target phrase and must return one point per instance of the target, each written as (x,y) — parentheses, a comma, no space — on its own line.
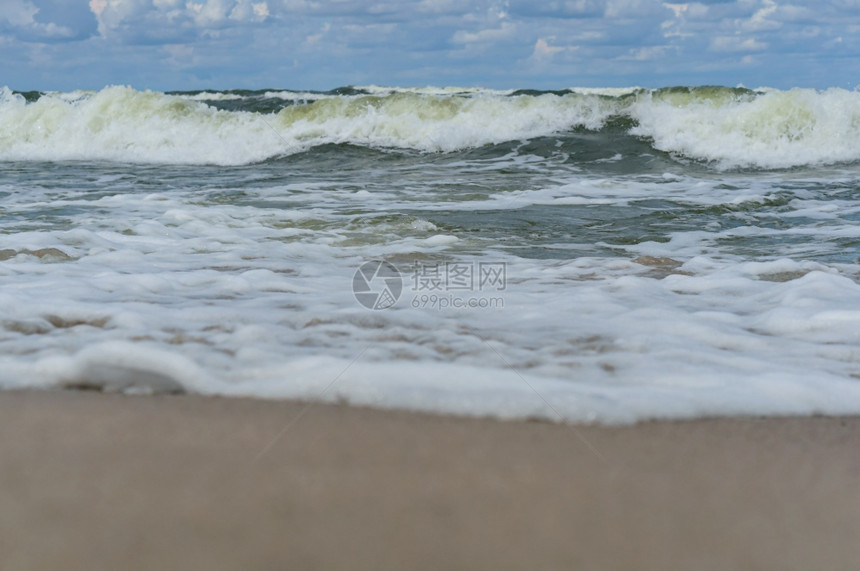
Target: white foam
(441,123)
(776,129)
(211,96)
(121,124)
(432,90)
(297,96)
(586,340)
(769,129)
(169,286)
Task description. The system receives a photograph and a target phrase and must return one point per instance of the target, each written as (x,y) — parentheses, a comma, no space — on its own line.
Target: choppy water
(596,255)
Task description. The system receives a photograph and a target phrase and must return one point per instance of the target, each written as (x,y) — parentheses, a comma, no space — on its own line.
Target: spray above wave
(727,128)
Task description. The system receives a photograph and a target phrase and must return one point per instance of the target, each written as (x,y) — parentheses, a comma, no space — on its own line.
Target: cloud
(564,9)
(208,13)
(505,30)
(650,53)
(315,38)
(543,52)
(39,21)
(173,44)
(626,9)
(736,44)
(443,6)
(17,13)
(762,18)
(144,21)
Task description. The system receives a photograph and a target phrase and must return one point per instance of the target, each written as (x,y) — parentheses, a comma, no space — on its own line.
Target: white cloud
(736,44)
(543,53)
(683,14)
(442,6)
(761,19)
(675,28)
(649,53)
(505,30)
(677,9)
(835,42)
(335,42)
(588,36)
(315,38)
(631,8)
(579,9)
(493,25)
(205,14)
(17,12)
(153,19)
(111,13)
(208,13)
(299,6)
(20,19)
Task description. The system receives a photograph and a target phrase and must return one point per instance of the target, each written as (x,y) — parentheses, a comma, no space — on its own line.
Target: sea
(578,255)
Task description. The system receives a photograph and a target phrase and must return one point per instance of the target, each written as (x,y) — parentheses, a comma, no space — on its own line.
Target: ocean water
(579,255)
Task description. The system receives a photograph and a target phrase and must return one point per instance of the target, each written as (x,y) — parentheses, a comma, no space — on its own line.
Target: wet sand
(100,481)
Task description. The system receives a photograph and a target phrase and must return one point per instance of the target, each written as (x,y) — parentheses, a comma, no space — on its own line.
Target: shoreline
(93,480)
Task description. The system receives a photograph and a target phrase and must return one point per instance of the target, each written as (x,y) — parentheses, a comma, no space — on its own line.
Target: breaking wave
(724,127)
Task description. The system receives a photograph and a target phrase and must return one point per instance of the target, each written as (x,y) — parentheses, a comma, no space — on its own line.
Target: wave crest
(726,127)
(773,129)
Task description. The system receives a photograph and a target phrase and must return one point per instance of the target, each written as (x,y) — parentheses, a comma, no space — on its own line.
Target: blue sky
(322,44)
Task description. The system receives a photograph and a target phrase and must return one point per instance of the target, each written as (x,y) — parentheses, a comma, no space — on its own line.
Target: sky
(323,44)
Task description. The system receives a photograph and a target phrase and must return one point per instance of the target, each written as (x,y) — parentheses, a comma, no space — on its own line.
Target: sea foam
(728,128)
(775,129)
(654,266)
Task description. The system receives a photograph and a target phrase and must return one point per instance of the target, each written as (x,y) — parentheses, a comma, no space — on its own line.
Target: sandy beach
(106,481)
